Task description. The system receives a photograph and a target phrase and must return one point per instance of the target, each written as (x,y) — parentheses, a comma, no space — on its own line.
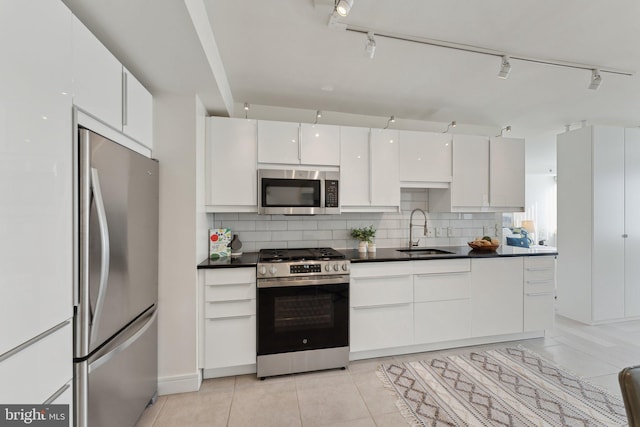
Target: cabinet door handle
(538,294)
(624,236)
(539,282)
(445,273)
(539,268)
(230,301)
(235,316)
(125,100)
(398,276)
(365,307)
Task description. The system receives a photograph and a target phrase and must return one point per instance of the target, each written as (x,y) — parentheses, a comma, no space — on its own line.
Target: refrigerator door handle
(111,353)
(105,249)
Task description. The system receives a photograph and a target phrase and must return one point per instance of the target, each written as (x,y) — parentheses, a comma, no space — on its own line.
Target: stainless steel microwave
(298,192)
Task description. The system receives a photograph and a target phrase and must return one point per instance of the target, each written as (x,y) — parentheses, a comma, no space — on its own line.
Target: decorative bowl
(482,247)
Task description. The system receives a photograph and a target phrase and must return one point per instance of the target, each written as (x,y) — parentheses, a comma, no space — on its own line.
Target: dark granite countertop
(250,259)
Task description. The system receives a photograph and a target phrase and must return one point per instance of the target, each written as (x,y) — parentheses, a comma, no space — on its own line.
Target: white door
(608,224)
(278,142)
(385,175)
(425,156)
(506,172)
(137,115)
(632,223)
(354,167)
(319,144)
(470,185)
(231,158)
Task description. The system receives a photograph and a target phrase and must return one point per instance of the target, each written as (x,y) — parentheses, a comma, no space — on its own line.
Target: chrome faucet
(411,242)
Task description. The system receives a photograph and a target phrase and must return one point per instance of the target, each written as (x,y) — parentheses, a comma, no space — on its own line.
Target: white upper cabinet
(354,167)
(319,144)
(298,144)
(137,114)
(97,77)
(385,175)
(425,159)
(231,159)
(35,170)
(278,142)
(506,172)
(488,176)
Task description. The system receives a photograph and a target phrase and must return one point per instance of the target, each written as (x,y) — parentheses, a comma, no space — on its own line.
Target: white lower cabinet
(497,288)
(381,298)
(539,292)
(229,298)
(442,300)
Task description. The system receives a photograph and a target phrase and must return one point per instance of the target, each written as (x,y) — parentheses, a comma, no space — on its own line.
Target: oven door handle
(303,281)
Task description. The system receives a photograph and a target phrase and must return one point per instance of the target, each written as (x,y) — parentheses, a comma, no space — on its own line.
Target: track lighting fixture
(246,109)
(343,7)
(450,125)
(596,79)
(370,46)
(392,119)
(318,115)
(506,129)
(505,67)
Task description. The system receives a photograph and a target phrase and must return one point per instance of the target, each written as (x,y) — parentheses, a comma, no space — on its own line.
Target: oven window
(290,192)
(294,313)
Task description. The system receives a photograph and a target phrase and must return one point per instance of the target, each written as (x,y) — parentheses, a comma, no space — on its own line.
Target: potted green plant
(365,235)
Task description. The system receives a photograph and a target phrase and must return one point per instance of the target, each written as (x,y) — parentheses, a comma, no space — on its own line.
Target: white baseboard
(229,371)
(179,383)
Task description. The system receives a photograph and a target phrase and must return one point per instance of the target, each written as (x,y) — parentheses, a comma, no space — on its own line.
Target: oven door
(298,318)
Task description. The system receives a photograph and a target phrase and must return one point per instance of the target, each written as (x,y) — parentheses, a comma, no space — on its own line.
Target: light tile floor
(356,397)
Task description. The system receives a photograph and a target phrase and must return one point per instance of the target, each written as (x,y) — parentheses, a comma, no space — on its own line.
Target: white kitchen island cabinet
(425,159)
(37,201)
(497,291)
(230,165)
(598,227)
(228,340)
(298,143)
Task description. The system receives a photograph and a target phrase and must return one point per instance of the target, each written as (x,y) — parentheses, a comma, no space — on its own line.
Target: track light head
(505,67)
(392,119)
(343,7)
(318,116)
(450,125)
(506,129)
(370,46)
(246,106)
(596,79)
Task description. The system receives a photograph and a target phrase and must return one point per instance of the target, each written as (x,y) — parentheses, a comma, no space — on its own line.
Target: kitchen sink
(424,251)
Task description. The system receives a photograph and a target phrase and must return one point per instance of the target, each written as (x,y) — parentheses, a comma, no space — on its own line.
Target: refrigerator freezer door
(119,191)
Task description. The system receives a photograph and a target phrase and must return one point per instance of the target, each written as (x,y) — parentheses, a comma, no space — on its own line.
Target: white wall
(179,142)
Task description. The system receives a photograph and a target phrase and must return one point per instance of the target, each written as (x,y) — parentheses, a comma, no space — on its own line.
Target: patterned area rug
(506,387)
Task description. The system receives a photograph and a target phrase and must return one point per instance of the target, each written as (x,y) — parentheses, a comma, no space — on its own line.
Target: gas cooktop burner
(279,255)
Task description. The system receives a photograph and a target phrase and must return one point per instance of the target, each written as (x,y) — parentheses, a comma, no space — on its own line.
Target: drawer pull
(538,294)
(364,307)
(230,301)
(231,284)
(446,273)
(539,269)
(32,341)
(236,316)
(539,282)
(399,276)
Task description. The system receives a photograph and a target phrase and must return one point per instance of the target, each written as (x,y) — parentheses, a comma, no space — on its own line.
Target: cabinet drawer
(239,291)
(374,328)
(385,290)
(381,269)
(35,373)
(229,276)
(539,268)
(438,287)
(242,308)
(442,266)
(538,311)
(441,321)
(230,342)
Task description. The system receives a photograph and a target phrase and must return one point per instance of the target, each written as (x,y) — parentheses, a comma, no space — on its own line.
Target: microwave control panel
(331,193)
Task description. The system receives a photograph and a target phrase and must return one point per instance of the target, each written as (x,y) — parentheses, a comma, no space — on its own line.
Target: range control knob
(273,270)
(327,267)
(262,270)
(336,267)
(345,266)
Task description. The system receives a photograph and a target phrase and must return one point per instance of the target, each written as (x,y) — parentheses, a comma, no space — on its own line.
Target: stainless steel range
(303,311)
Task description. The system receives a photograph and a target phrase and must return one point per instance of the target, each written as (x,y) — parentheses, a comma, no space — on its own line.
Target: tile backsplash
(279,231)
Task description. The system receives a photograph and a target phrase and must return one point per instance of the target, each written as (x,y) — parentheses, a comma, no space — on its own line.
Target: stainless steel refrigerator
(115,313)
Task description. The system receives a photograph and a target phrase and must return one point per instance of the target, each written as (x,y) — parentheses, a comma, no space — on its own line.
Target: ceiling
(283,53)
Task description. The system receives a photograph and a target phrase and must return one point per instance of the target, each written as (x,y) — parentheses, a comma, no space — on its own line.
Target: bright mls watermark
(34,415)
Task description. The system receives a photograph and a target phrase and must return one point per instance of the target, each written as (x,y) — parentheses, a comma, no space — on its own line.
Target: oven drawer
(228,309)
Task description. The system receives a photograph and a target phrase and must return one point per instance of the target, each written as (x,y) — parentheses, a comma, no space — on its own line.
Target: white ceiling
(283,53)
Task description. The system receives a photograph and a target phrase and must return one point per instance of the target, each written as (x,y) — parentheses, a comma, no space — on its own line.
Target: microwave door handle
(105,249)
